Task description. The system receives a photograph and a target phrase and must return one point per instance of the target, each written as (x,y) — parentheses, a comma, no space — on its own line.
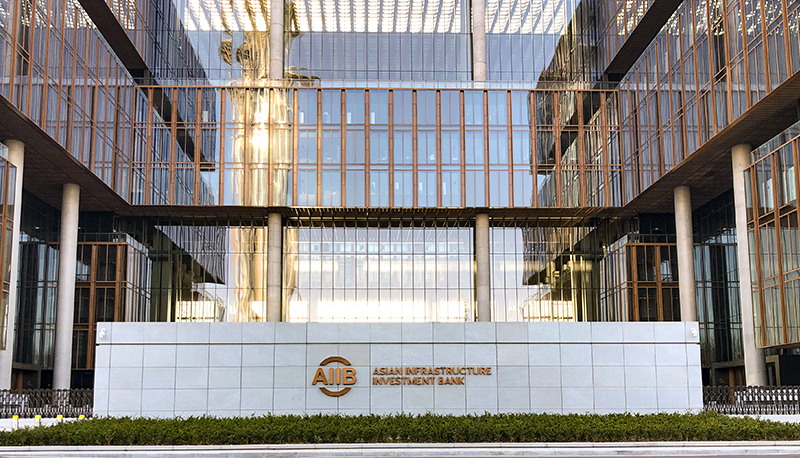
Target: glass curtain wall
(56,69)
(774,239)
(383,148)
(36,304)
(369,269)
(381,40)
(544,273)
(112,284)
(8,178)
(717,276)
(572,48)
(640,280)
(205,270)
(375,270)
(711,62)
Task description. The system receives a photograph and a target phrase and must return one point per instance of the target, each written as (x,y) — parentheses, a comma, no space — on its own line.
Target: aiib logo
(335,376)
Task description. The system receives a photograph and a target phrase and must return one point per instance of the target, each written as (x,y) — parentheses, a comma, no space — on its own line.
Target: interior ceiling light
(403,9)
(387,16)
(240,11)
(502,15)
(515,23)
(457,19)
(447,16)
(431,15)
(199,15)
(229,19)
(213,14)
(188,23)
(345,15)
(329,15)
(373,15)
(417,8)
(315,10)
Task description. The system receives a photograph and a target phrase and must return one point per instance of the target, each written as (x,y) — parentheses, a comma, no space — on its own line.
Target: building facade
(399,161)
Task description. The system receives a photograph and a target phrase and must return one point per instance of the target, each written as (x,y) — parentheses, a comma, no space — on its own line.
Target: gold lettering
(349,376)
(406,375)
(319,377)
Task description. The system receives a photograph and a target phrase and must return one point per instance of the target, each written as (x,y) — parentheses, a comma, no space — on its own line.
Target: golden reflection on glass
(262,118)
(289,280)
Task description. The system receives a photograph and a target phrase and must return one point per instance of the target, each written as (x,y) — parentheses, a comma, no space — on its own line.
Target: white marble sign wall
(231,369)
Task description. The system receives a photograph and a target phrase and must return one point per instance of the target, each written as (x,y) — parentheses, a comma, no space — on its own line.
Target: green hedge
(403,428)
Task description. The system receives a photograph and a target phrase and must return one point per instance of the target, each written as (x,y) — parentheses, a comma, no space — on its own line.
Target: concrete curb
(600,449)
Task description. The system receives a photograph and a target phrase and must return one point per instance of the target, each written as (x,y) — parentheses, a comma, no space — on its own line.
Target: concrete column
(276,47)
(478,40)
(482,275)
(16,155)
(685,242)
(274,268)
(67,259)
(755,366)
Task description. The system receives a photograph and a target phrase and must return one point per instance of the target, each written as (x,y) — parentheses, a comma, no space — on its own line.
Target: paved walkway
(500,450)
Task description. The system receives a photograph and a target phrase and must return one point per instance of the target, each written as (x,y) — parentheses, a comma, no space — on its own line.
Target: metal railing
(46,403)
(752,400)
(730,400)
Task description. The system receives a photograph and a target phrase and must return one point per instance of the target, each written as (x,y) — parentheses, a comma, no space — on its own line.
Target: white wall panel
(230,369)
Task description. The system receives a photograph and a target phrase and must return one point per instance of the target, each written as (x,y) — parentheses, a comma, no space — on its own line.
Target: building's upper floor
(343,129)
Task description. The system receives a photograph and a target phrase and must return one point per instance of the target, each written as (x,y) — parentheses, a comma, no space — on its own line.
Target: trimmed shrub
(332,429)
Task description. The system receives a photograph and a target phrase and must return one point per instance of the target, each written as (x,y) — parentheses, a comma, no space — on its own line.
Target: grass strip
(317,429)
